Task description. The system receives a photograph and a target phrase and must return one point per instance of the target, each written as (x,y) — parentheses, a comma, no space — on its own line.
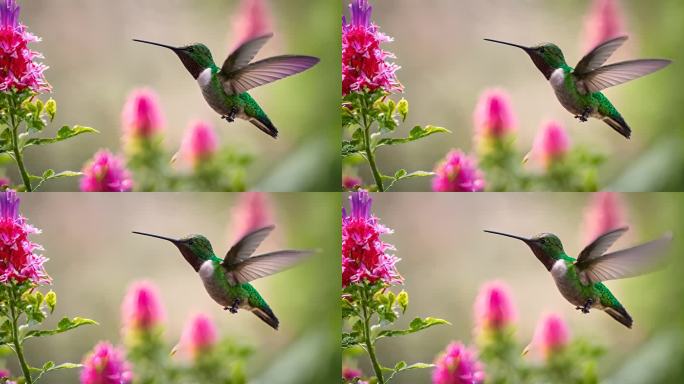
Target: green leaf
(64,133)
(64,325)
(416,325)
(416,133)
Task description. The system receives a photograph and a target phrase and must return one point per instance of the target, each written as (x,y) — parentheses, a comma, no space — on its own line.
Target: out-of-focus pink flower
(604,213)
(493,117)
(551,336)
(141,116)
(365,64)
(350,182)
(5,182)
(252,211)
(350,374)
(199,143)
(106,173)
(106,365)
(364,254)
(494,309)
(199,336)
(18,70)
(457,173)
(604,21)
(457,365)
(253,19)
(19,261)
(551,144)
(141,309)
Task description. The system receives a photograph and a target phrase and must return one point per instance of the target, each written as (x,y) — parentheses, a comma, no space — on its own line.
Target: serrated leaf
(64,325)
(64,133)
(416,133)
(418,324)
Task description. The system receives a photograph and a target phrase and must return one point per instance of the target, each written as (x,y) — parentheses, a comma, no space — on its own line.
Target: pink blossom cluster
(106,173)
(141,309)
(494,309)
(199,336)
(106,365)
(457,365)
(457,173)
(141,116)
(493,116)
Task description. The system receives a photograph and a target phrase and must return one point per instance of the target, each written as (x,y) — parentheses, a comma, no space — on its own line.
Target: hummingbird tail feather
(618,123)
(267,316)
(265,125)
(621,315)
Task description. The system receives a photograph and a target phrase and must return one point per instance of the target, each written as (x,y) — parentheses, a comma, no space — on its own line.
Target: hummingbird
(225,88)
(578,89)
(227,280)
(580,280)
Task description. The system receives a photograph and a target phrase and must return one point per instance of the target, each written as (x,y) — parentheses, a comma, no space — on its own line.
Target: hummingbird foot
(584,116)
(587,306)
(230,117)
(234,307)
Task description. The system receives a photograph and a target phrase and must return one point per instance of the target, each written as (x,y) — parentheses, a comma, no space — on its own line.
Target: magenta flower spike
(604,212)
(199,336)
(551,335)
(457,173)
(551,144)
(141,309)
(494,309)
(19,261)
(365,65)
(365,256)
(200,143)
(253,19)
(142,116)
(457,365)
(603,22)
(18,70)
(252,211)
(106,365)
(106,173)
(494,117)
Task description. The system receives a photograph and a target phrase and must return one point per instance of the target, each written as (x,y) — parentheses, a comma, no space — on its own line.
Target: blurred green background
(94,65)
(446,65)
(94,257)
(446,258)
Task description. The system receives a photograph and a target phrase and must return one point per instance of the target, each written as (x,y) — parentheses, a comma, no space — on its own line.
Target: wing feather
(246,246)
(599,246)
(266,71)
(267,264)
(618,73)
(597,56)
(244,54)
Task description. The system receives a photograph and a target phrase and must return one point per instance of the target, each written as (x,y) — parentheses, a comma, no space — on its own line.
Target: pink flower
(350,374)
(106,173)
(603,22)
(551,144)
(364,254)
(457,173)
(141,308)
(199,336)
(106,365)
(551,336)
(494,117)
(494,309)
(603,213)
(253,19)
(5,182)
(141,116)
(19,261)
(199,143)
(18,70)
(251,212)
(351,183)
(457,365)
(364,63)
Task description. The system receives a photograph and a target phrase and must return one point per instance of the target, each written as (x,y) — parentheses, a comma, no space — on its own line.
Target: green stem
(367,145)
(18,347)
(18,155)
(370,347)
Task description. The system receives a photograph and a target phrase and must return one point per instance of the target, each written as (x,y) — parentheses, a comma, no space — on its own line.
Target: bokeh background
(446,66)
(94,65)
(94,257)
(446,258)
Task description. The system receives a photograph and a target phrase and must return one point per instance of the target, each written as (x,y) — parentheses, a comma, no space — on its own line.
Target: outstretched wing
(618,73)
(246,246)
(265,265)
(625,263)
(265,71)
(242,56)
(599,246)
(594,59)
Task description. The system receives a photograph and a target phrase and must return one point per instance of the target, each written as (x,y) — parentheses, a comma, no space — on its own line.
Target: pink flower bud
(199,143)
(141,116)
(552,335)
(106,173)
(494,117)
(106,365)
(351,183)
(457,365)
(199,335)
(350,374)
(253,19)
(494,309)
(457,173)
(603,213)
(141,309)
(604,21)
(551,144)
(252,211)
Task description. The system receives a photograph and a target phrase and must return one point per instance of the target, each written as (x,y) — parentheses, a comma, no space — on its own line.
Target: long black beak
(526,240)
(512,45)
(157,44)
(157,236)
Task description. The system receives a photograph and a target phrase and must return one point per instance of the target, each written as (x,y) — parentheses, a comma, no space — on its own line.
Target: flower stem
(370,347)
(18,347)
(18,155)
(367,145)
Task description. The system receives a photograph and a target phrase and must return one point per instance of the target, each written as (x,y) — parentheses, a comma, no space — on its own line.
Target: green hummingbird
(578,89)
(580,280)
(225,89)
(227,280)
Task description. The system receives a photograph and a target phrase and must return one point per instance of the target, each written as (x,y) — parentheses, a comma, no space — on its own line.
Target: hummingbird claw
(587,306)
(231,116)
(584,116)
(234,307)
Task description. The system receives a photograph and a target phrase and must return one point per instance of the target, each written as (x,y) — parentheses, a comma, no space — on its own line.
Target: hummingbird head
(546,57)
(196,249)
(196,57)
(547,247)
